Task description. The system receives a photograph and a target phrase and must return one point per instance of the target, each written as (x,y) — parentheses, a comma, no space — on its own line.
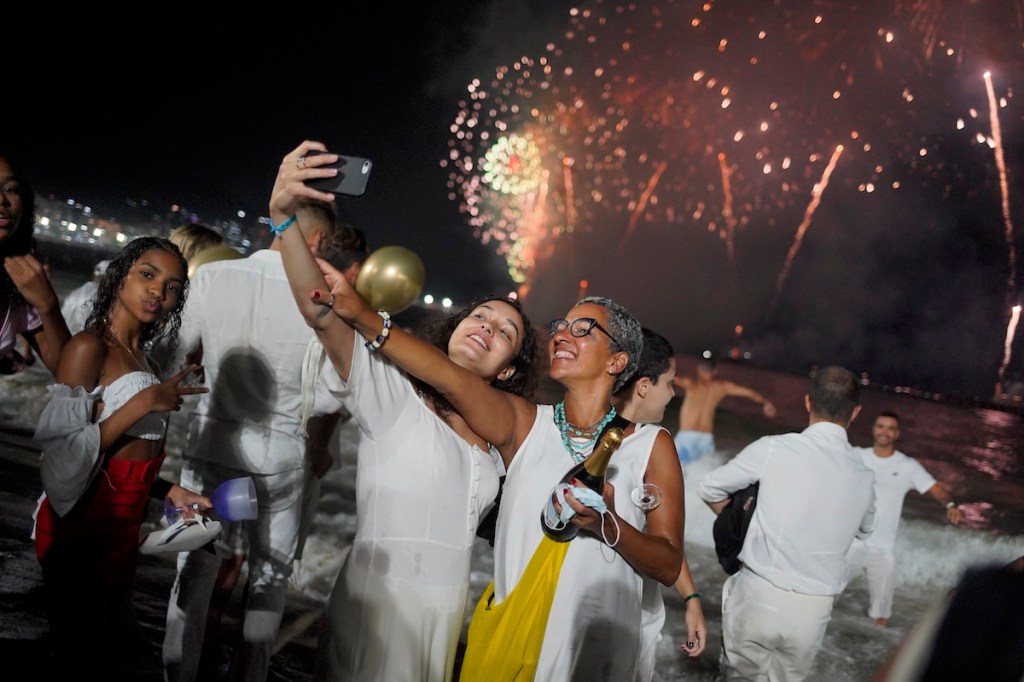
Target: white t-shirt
(895,476)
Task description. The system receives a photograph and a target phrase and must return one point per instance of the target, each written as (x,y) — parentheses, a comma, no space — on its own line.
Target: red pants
(89,557)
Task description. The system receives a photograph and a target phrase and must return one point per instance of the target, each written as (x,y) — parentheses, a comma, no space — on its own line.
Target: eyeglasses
(581,326)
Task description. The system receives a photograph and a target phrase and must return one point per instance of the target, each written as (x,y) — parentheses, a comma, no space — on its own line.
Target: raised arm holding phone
(425,478)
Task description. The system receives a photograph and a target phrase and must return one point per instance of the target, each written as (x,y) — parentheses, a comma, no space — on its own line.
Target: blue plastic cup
(235,499)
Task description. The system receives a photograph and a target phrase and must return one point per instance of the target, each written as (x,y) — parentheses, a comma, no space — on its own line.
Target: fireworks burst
(684,118)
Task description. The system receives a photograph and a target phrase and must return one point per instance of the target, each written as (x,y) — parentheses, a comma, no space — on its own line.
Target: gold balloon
(390,279)
(209,255)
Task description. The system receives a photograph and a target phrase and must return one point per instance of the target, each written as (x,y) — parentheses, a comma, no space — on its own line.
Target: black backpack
(731,527)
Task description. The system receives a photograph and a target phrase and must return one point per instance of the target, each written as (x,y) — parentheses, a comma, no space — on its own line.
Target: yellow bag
(504,640)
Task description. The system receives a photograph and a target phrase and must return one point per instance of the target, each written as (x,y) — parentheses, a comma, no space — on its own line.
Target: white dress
(593,632)
(399,604)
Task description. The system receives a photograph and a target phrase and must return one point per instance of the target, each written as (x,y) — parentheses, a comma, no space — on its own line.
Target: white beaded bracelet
(384,333)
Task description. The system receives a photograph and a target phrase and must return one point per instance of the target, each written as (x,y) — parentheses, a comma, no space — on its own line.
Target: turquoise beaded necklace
(575,438)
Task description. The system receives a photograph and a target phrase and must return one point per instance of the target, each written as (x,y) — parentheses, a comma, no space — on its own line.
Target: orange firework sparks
(816,193)
(570,199)
(1011,329)
(730,219)
(641,204)
(997,138)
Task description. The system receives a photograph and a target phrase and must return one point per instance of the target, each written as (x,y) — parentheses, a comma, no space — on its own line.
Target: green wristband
(695,595)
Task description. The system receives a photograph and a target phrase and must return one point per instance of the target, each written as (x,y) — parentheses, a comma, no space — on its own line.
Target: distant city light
(428,299)
(446,302)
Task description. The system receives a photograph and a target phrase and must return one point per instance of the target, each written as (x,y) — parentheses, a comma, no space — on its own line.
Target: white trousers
(769,633)
(879,565)
(270,541)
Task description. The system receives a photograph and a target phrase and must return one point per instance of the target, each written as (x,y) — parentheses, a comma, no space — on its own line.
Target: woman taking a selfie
(424,478)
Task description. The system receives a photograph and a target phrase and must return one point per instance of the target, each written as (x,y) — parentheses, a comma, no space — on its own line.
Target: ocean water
(977,452)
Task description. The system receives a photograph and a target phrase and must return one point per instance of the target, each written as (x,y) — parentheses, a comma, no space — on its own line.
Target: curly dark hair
(522,383)
(20,241)
(113,281)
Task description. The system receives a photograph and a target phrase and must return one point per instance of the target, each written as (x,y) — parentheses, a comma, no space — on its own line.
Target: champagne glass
(646,496)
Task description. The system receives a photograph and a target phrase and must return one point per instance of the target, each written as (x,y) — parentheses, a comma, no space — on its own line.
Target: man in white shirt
(815,496)
(242,318)
(78,304)
(895,475)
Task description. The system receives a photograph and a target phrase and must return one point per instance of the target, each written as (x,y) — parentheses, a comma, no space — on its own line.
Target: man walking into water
(815,496)
(895,475)
(702,394)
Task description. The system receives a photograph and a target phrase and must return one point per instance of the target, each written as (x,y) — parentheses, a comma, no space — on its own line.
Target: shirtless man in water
(702,394)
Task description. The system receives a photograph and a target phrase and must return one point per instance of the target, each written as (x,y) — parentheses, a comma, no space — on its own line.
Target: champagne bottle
(589,473)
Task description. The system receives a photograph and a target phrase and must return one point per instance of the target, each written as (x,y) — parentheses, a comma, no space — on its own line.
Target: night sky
(633,122)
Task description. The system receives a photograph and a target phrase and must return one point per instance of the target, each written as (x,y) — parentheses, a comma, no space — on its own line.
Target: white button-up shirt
(816,495)
(254,339)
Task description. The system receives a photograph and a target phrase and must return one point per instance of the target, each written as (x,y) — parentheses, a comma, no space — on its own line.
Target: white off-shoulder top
(70,439)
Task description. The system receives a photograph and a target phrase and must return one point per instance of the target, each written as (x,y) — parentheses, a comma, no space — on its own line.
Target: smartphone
(353,174)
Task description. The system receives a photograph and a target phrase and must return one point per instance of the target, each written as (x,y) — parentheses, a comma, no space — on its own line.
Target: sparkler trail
(1011,329)
(641,205)
(730,219)
(816,193)
(1004,190)
(570,197)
